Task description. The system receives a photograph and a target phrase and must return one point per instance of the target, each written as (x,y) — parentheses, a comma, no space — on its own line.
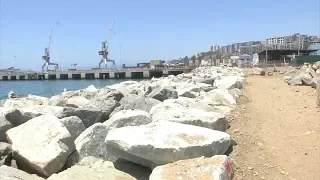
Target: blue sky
(146,29)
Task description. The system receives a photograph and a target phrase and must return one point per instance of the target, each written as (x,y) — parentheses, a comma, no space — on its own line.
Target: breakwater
(149,129)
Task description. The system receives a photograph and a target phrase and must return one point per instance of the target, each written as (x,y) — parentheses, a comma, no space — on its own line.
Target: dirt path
(277,128)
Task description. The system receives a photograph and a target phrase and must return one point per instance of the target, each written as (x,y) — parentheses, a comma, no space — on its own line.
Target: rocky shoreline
(164,128)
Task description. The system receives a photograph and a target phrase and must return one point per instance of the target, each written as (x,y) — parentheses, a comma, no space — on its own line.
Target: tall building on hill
(214,48)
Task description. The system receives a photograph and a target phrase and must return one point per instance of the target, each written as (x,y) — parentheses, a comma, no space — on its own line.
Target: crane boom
(50,37)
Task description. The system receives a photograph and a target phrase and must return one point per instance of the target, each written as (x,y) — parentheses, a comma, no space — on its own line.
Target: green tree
(193,57)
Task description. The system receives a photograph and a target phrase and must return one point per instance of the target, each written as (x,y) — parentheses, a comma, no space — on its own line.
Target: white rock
(219,97)
(165,142)
(188,90)
(100,170)
(229,82)
(19,116)
(28,101)
(77,101)
(74,126)
(123,118)
(10,173)
(216,168)
(192,116)
(42,144)
(205,87)
(91,141)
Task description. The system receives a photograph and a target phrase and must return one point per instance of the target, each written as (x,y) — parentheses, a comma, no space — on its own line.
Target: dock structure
(124,73)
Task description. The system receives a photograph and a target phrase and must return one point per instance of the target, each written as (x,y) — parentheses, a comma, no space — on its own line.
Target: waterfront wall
(93,74)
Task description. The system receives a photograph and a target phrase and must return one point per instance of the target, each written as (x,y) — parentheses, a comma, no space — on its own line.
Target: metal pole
(120,56)
(299,45)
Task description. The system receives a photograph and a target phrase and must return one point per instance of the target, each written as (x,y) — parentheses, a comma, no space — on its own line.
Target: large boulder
(228,82)
(218,97)
(188,90)
(17,116)
(133,101)
(316,65)
(77,101)
(58,100)
(106,106)
(91,141)
(163,93)
(28,101)
(41,145)
(74,125)
(192,116)
(88,115)
(89,92)
(165,142)
(124,118)
(9,173)
(218,167)
(96,169)
(108,94)
(2,102)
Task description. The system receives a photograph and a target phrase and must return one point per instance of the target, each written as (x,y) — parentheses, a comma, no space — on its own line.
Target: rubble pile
(128,130)
(309,76)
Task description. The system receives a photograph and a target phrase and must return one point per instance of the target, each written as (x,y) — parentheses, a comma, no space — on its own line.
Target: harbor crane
(104,51)
(46,56)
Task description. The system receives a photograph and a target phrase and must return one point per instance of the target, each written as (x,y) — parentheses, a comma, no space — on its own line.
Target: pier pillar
(96,75)
(9,77)
(146,74)
(69,75)
(0,77)
(57,76)
(111,75)
(83,75)
(46,76)
(17,77)
(26,77)
(128,74)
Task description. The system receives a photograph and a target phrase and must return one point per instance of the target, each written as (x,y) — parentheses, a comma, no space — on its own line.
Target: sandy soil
(277,128)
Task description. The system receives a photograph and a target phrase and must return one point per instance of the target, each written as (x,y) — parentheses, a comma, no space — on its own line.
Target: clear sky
(146,29)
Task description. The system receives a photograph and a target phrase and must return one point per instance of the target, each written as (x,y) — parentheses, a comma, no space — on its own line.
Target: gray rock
(9,173)
(165,142)
(91,141)
(5,154)
(188,90)
(133,101)
(205,87)
(306,78)
(18,116)
(74,126)
(163,93)
(89,116)
(41,145)
(105,106)
(295,81)
(5,125)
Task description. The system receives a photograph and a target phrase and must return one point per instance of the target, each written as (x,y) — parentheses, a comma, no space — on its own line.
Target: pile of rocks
(170,127)
(309,76)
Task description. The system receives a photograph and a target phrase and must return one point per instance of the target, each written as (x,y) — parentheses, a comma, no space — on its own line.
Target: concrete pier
(130,73)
